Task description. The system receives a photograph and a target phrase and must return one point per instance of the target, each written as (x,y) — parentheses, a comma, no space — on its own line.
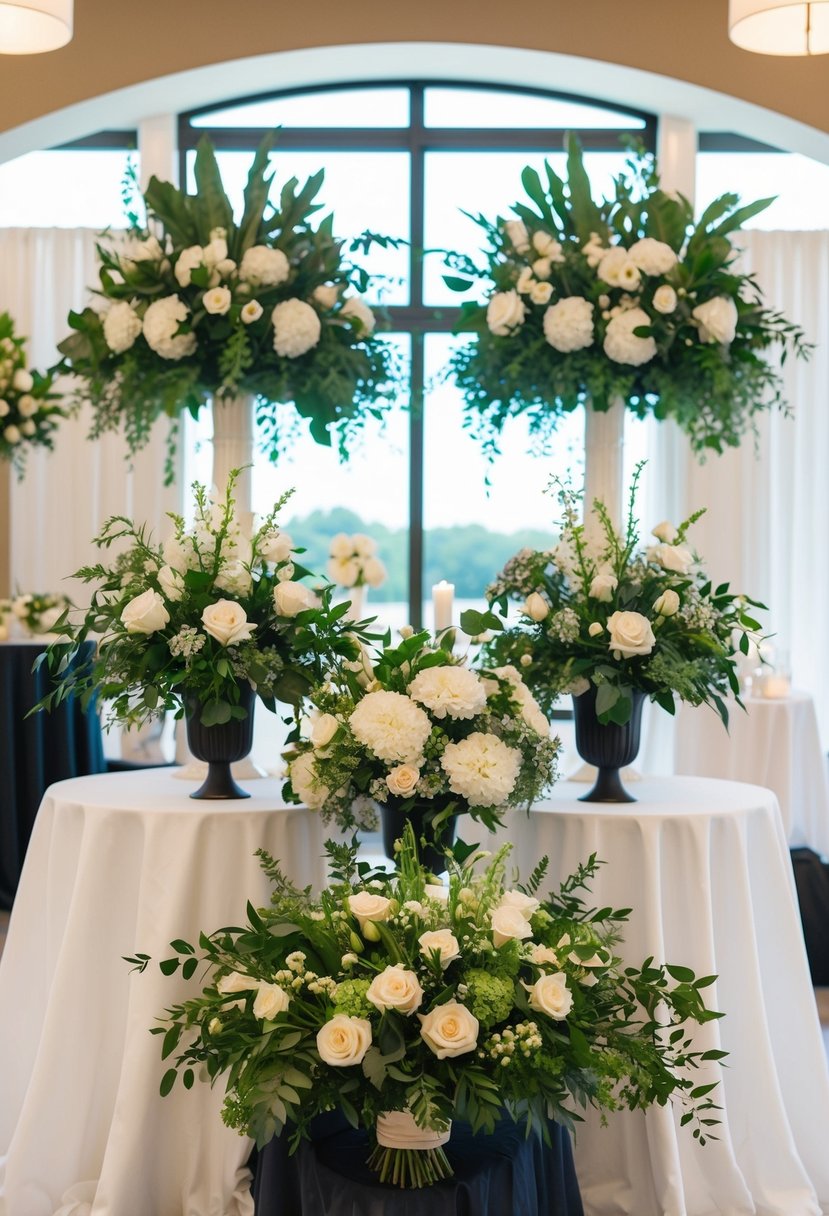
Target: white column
(158,149)
(604,442)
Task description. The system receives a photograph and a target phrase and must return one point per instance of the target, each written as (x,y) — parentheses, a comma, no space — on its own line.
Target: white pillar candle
(442,596)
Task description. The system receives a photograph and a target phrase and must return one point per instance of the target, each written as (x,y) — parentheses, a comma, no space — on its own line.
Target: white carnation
(652,256)
(453,692)
(121,327)
(505,312)
(391,726)
(622,345)
(568,325)
(264,267)
(296,328)
(161,323)
(482,769)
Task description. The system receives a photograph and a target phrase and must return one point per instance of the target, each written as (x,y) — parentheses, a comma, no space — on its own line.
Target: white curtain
(67,494)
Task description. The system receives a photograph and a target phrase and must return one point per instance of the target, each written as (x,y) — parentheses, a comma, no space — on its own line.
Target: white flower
(536,607)
(622,345)
(325,295)
(526,282)
(171,582)
(374,572)
(664,299)
(594,250)
(652,256)
(436,890)
(396,988)
(264,267)
(525,904)
(675,558)
(402,780)
(236,981)
(449,1030)
(341,546)
(550,994)
(453,692)
(28,428)
(5,408)
(308,788)
(145,613)
(541,293)
(121,327)
(270,1000)
(540,955)
(547,246)
(717,320)
(667,604)
(357,309)
(568,325)
(665,532)
(161,324)
(296,328)
(274,545)
(481,768)
(11,434)
(509,924)
(235,578)
(291,598)
(603,585)
(344,571)
(217,301)
(391,726)
(519,238)
(617,269)
(26,405)
(594,629)
(442,940)
(323,729)
(366,906)
(630,634)
(542,268)
(343,1041)
(188,260)
(251,312)
(505,312)
(227,622)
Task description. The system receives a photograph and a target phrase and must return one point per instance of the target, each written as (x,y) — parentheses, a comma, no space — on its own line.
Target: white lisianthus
(536,606)
(630,634)
(367,906)
(603,585)
(547,246)
(517,235)
(172,583)
(550,994)
(449,1030)
(121,327)
(344,571)
(525,282)
(525,904)
(146,613)
(666,532)
(396,988)
(274,545)
(402,780)
(717,320)
(505,312)
(188,260)
(664,299)
(236,981)
(675,558)
(308,788)
(217,301)
(162,321)
(541,293)
(449,692)
(568,325)
(326,295)
(343,1041)
(391,726)
(227,622)
(264,267)
(481,768)
(291,598)
(270,1000)
(509,924)
(251,312)
(652,256)
(296,328)
(542,268)
(357,310)
(667,604)
(323,729)
(622,345)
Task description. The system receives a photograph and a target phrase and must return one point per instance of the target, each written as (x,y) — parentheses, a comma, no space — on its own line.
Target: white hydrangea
(391,726)
(568,325)
(296,328)
(307,785)
(121,327)
(622,345)
(358,309)
(264,267)
(453,692)
(161,323)
(482,769)
(652,256)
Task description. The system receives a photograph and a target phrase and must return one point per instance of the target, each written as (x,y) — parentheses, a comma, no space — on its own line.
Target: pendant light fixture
(780,27)
(28,27)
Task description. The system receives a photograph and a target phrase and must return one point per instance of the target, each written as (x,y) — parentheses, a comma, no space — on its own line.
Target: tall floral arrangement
(629,298)
(29,409)
(406,1006)
(198,305)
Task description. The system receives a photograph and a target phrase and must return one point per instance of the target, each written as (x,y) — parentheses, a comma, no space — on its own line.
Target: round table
(704,864)
(121,863)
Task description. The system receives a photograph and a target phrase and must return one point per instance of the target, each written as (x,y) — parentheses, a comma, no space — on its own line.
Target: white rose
(675,558)
(251,312)
(652,256)
(402,780)
(541,955)
(358,309)
(275,546)
(236,981)
(343,1041)
(436,890)
(568,325)
(541,293)
(270,1000)
(542,268)
(29,427)
(325,295)
(622,345)
(5,408)
(374,572)
(11,434)
(536,607)
(717,320)
(27,406)
(227,622)
(547,246)
(307,786)
(664,299)
(291,598)
(285,573)
(217,301)
(323,730)
(630,634)
(442,940)
(341,546)
(519,238)
(396,988)
(509,924)
(613,264)
(22,381)
(366,906)
(145,613)
(449,1030)
(525,904)
(666,532)
(603,586)
(550,994)
(171,582)
(344,571)
(505,312)
(667,604)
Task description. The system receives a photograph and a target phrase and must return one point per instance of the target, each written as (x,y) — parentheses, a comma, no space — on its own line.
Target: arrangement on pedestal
(353,564)
(29,409)
(36,614)
(406,1005)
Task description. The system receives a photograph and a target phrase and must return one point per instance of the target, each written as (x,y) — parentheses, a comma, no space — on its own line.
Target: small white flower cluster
(187,642)
(523,1038)
(25,414)
(564,625)
(353,561)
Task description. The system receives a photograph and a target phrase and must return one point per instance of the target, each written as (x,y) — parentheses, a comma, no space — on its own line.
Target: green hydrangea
(490,997)
(350,998)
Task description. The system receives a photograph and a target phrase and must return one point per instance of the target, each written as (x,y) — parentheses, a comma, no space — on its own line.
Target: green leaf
(167,1082)
(684,975)
(169,966)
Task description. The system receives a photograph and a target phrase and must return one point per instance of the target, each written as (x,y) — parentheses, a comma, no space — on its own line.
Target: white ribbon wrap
(398,1129)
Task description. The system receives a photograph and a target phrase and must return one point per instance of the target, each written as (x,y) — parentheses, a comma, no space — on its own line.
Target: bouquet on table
(353,561)
(405,1006)
(29,412)
(628,298)
(37,614)
(599,612)
(417,731)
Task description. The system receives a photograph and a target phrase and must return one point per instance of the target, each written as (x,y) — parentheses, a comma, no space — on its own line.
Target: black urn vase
(430,843)
(220,745)
(609,747)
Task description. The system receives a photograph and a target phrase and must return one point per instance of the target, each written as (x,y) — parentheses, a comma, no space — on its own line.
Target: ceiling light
(30,26)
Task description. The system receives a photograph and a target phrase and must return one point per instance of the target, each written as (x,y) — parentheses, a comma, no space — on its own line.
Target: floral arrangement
(407,1005)
(415,727)
(192,617)
(29,411)
(37,613)
(627,298)
(200,306)
(597,610)
(353,561)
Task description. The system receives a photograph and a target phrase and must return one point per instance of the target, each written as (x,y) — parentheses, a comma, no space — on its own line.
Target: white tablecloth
(775,743)
(705,867)
(119,863)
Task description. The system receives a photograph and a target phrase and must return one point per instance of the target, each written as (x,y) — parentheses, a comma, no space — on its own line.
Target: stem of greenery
(409,1167)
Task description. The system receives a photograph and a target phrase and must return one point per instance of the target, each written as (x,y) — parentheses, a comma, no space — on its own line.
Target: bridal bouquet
(627,298)
(29,411)
(598,610)
(406,1005)
(198,304)
(195,616)
(416,730)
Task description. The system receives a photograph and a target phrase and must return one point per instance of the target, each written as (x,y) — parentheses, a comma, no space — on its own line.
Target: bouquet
(197,305)
(193,617)
(597,610)
(406,1005)
(29,411)
(37,614)
(353,561)
(416,730)
(627,298)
